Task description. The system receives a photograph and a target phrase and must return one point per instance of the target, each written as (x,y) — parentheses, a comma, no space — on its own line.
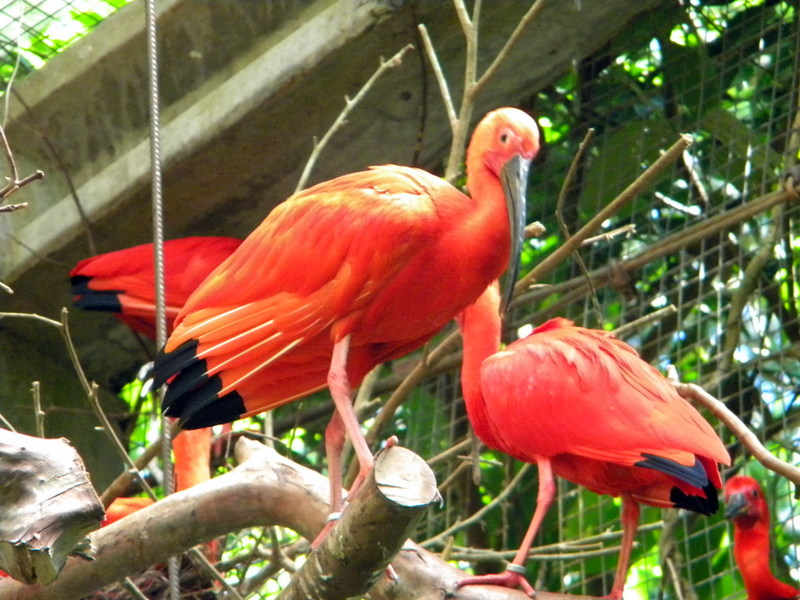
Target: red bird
(342,277)
(746,507)
(582,405)
(122,282)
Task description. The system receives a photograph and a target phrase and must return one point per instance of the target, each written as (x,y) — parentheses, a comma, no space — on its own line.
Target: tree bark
(265,489)
(48,506)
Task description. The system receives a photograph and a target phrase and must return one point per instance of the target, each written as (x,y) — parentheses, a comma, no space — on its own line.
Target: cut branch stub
(48,506)
(374,526)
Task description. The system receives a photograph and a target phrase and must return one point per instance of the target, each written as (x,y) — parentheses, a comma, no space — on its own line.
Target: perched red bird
(343,276)
(746,506)
(582,405)
(122,282)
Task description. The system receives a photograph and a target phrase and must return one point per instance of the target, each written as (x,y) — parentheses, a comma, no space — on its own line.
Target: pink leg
(630,521)
(339,386)
(343,421)
(514,575)
(334,442)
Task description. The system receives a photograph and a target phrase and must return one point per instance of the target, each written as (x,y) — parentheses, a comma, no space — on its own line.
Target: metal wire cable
(158,253)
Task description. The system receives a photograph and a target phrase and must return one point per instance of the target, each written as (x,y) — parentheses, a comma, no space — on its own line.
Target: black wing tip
(215,411)
(86,298)
(168,364)
(705,505)
(192,396)
(695,475)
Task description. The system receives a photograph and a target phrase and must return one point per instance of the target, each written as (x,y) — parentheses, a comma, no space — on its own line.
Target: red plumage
(122,282)
(746,506)
(341,277)
(582,405)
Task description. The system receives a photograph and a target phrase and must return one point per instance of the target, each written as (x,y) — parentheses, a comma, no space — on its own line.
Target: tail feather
(168,364)
(705,505)
(694,475)
(86,298)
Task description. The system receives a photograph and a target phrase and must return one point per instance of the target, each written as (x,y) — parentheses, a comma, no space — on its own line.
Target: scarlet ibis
(582,405)
(343,276)
(122,282)
(746,506)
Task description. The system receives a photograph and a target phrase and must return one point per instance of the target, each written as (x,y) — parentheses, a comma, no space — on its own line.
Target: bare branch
(12,207)
(440,79)
(639,185)
(394,61)
(532,13)
(748,439)
(38,413)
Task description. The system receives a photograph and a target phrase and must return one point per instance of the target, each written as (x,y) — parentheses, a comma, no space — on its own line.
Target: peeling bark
(48,505)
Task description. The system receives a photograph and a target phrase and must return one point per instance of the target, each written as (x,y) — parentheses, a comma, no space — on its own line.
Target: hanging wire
(158,254)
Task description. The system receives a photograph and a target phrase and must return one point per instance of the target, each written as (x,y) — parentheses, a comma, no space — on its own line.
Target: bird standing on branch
(746,506)
(343,276)
(582,405)
(123,283)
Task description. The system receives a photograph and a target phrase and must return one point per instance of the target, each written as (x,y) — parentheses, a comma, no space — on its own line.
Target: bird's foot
(330,523)
(513,577)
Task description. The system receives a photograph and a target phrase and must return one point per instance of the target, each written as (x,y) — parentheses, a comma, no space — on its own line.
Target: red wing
(588,394)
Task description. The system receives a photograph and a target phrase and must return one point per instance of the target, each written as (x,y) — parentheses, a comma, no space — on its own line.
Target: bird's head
(744,501)
(504,144)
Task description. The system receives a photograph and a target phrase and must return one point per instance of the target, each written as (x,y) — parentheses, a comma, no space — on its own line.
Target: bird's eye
(504,138)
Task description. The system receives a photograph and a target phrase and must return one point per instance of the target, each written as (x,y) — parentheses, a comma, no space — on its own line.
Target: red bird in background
(746,506)
(122,282)
(582,405)
(343,276)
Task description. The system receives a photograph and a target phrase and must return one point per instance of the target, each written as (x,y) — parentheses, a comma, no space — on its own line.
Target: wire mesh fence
(727,74)
(32,32)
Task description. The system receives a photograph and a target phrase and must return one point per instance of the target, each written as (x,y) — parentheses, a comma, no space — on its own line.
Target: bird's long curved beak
(514,178)
(735,506)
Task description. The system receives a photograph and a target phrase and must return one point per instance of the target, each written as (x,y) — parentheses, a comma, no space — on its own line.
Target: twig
(450,452)
(12,207)
(639,185)
(739,429)
(6,423)
(91,394)
(38,413)
(452,118)
(577,160)
(118,487)
(610,235)
(401,393)
(132,589)
(625,330)
(5,288)
(14,182)
(747,286)
(478,515)
(33,316)
(533,11)
(681,239)
(395,61)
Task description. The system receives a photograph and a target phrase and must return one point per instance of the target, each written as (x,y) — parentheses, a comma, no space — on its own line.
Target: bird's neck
(480,326)
(752,554)
(488,219)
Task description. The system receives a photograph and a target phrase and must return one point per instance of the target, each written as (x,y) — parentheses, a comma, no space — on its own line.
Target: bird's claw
(513,577)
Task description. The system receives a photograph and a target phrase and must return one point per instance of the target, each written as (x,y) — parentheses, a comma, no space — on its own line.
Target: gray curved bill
(514,178)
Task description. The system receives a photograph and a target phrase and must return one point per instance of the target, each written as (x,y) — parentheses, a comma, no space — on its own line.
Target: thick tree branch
(265,489)
(371,531)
